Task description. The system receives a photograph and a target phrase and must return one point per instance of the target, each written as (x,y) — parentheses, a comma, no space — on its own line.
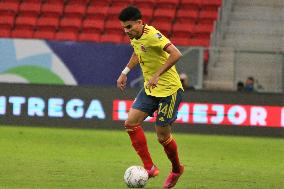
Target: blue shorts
(167,107)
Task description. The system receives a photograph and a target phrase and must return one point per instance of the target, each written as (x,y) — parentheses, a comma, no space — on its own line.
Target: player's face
(132,28)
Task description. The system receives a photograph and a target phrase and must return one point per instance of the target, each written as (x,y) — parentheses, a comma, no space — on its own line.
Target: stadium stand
(94,20)
(251,45)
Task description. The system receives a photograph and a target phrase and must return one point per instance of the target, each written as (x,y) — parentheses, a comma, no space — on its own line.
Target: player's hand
(121,82)
(152,83)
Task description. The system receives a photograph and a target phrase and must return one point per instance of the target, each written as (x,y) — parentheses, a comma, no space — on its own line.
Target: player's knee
(135,119)
(160,140)
(131,127)
(130,123)
(164,139)
(163,134)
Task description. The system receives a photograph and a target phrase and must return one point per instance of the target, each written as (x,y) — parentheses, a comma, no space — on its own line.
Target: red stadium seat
(147,14)
(27,18)
(117,7)
(201,39)
(125,39)
(160,20)
(112,38)
(166,14)
(113,25)
(204,14)
(7,17)
(12,5)
(181,35)
(53,6)
(31,6)
(216,3)
(48,19)
(186,21)
(89,34)
(165,27)
(94,22)
(44,32)
(47,26)
(113,31)
(187,14)
(172,4)
(114,10)
(67,34)
(180,41)
(72,20)
(190,3)
(76,7)
(98,9)
(145,3)
(121,3)
(212,8)
(23,31)
(199,42)
(180,27)
(5,30)
(188,41)
(200,35)
(203,28)
(100,3)
(147,20)
(204,21)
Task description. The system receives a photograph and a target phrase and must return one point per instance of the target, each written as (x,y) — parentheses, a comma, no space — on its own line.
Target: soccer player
(162,91)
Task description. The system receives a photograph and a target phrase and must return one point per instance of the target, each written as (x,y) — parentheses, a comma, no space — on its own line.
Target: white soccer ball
(136,177)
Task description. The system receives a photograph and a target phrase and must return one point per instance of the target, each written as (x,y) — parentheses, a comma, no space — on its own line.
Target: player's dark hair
(130,13)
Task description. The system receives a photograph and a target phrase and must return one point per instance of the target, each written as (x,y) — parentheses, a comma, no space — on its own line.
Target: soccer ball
(136,177)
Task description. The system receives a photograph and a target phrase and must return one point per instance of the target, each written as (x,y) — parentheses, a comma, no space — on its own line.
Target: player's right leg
(143,106)
(138,139)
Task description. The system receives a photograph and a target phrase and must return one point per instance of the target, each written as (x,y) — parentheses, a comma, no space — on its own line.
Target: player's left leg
(167,113)
(170,146)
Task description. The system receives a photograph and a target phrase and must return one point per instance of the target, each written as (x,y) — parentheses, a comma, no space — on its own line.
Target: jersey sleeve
(160,40)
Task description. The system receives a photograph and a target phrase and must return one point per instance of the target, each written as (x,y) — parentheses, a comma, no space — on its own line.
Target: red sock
(170,147)
(139,143)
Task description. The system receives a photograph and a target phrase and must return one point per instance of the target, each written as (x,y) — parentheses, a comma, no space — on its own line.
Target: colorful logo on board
(31,61)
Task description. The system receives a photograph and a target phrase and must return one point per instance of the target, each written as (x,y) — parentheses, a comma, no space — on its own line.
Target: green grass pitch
(52,158)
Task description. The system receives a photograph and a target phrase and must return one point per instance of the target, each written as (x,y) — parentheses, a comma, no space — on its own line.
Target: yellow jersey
(150,49)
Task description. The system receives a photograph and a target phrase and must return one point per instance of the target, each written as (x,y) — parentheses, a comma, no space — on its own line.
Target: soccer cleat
(154,171)
(173,178)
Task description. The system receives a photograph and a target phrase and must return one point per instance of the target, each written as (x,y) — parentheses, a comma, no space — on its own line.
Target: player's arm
(133,61)
(175,55)
(122,79)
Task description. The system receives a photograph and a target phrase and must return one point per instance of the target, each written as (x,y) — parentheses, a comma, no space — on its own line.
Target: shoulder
(150,31)
(154,34)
